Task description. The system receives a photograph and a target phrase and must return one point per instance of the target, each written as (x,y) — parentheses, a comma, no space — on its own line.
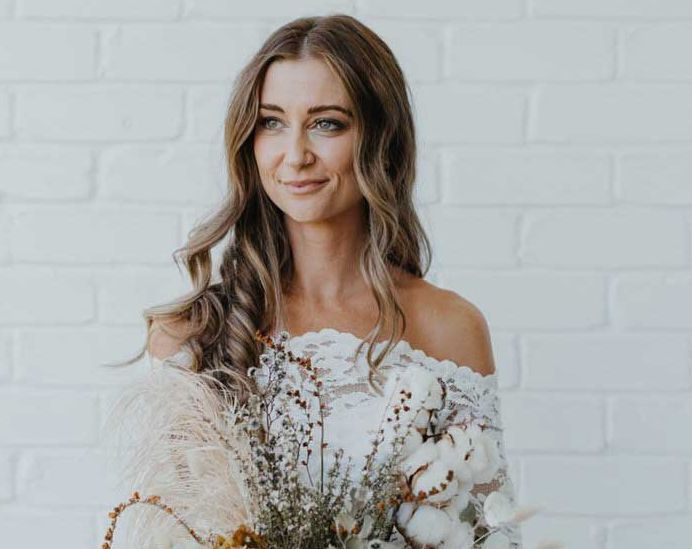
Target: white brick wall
(555,145)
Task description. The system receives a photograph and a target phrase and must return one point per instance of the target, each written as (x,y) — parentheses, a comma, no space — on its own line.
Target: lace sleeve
(472,400)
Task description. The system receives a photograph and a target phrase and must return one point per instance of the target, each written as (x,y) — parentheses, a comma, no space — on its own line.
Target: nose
(297,150)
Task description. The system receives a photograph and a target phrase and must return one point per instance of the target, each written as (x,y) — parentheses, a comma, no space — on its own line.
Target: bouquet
(244,473)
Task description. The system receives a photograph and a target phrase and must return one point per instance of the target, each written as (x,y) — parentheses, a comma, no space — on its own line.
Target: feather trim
(176,437)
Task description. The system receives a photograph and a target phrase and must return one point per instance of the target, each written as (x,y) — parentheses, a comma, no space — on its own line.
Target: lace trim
(401,348)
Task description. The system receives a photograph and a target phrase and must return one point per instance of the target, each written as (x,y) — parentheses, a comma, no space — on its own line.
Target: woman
(324,238)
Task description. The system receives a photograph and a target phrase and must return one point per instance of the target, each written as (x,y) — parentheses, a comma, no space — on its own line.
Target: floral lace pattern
(353,411)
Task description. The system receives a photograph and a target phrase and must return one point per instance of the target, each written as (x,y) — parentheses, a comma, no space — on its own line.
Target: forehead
(299,84)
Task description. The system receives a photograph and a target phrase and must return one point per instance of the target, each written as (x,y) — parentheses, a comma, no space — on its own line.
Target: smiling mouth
(299,184)
(304,187)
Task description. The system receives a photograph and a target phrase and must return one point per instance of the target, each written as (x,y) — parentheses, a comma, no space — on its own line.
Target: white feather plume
(167,427)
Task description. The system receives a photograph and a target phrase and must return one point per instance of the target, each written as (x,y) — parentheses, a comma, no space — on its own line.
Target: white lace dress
(354,411)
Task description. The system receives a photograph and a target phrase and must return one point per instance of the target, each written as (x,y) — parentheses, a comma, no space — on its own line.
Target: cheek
(262,153)
(339,157)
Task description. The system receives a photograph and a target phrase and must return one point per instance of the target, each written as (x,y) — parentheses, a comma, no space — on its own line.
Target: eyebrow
(311,110)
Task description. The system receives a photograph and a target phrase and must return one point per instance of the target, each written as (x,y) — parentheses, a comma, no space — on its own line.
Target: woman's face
(297,139)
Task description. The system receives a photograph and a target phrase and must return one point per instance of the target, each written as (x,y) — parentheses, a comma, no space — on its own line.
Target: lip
(302,182)
(304,186)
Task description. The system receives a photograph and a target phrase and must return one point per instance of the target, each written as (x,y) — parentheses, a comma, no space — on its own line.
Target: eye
(337,125)
(263,120)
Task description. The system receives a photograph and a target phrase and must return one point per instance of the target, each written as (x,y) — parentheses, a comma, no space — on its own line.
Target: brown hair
(220,319)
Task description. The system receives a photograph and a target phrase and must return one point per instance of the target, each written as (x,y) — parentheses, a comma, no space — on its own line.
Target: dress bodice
(354,410)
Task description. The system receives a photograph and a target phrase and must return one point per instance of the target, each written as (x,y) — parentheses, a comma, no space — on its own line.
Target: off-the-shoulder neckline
(402,346)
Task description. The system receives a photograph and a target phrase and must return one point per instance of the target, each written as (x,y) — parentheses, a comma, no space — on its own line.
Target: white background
(555,177)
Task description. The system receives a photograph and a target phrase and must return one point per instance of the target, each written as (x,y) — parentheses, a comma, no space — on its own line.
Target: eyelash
(337,125)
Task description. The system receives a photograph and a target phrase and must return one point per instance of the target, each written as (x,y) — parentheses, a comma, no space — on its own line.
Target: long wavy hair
(217,322)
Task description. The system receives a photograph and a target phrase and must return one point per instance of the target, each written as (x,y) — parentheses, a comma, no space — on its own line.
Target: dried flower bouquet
(242,473)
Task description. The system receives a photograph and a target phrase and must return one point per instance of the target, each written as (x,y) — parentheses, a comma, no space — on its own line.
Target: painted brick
(496,246)
(42,296)
(206,107)
(43,356)
(46,52)
(454,114)
(605,239)
(613,485)
(656,177)
(78,478)
(179,52)
(98,114)
(444,9)
(277,8)
(553,423)
(525,177)
(654,52)
(7,460)
(534,300)
(122,295)
(668,532)
(613,8)
(181,174)
(5,118)
(31,417)
(45,173)
(653,301)
(570,531)
(58,530)
(651,424)
(532,50)
(100,9)
(612,113)
(5,356)
(606,362)
(113,236)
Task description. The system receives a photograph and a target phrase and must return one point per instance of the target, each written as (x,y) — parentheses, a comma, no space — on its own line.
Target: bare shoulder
(166,337)
(454,328)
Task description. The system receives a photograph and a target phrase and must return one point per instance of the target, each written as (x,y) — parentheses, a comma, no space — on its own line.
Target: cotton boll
(485,458)
(460,536)
(445,447)
(433,477)
(429,526)
(458,503)
(379,544)
(496,540)
(419,381)
(423,455)
(404,513)
(453,447)
(422,419)
(411,443)
(497,509)
(462,437)
(434,398)
(411,380)
(464,476)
